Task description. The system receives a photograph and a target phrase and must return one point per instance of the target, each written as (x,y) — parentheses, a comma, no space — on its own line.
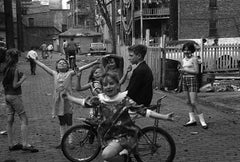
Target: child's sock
(202,120)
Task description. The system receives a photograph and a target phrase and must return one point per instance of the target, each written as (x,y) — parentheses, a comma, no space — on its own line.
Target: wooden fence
(214,58)
(220,58)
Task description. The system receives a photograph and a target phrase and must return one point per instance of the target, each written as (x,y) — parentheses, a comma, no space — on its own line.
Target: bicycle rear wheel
(80,144)
(162,150)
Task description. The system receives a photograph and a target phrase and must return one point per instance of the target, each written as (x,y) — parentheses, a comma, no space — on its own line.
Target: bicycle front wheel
(155,145)
(80,144)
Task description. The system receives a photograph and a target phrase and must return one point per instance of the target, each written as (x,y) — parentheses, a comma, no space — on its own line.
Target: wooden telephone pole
(9,23)
(19,25)
(114,43)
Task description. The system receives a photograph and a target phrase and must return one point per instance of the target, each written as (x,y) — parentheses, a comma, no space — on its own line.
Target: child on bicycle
(93,84)
(123,134)
(62,83)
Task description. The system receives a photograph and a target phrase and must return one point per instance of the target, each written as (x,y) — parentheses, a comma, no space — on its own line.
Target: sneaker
(29,148)
(16,147)
(3,132)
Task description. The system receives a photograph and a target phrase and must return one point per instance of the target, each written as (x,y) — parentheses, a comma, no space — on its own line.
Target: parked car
(98,48)
(3,49)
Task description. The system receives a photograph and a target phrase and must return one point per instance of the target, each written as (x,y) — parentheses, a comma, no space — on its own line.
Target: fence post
(163,50)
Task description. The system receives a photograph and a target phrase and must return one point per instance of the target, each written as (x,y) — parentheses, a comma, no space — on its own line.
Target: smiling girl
(122,135)
(62,78)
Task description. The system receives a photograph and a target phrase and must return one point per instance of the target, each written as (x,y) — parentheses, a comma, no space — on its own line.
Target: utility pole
(9,23)
(173,31)
(114,26)
(19,25)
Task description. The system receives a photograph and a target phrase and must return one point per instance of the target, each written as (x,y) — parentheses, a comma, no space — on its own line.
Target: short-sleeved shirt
(32,53)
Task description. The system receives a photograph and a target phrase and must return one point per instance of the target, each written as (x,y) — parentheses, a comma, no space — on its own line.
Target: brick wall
(194,16)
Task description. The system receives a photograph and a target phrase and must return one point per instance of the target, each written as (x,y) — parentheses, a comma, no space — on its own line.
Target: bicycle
(81,143)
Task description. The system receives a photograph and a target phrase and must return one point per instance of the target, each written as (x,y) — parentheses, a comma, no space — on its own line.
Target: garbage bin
(172,74)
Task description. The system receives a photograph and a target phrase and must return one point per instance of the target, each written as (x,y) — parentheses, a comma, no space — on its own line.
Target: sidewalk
(219,143)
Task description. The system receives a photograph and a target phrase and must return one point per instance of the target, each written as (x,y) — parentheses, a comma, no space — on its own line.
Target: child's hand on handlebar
(170,116)
(65,95)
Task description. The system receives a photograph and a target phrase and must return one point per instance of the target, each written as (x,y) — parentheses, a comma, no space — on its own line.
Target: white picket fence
(214,58)
(220,58)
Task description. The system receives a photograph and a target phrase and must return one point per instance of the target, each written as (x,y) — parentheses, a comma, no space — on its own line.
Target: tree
(102,4)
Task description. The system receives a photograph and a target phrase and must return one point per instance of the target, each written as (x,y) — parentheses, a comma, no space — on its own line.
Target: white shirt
(32,54)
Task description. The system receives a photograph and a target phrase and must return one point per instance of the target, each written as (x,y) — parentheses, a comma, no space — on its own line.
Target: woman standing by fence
(190,71)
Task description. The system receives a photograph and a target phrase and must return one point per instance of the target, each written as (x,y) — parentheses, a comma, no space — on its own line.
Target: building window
(213,28)
(31,21)
(64,27)
(212,4)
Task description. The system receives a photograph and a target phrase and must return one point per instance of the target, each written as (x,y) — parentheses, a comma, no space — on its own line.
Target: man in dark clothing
(140,85)
(72,50)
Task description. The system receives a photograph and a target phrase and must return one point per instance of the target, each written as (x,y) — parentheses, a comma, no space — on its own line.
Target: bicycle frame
(156,122)
(148,135)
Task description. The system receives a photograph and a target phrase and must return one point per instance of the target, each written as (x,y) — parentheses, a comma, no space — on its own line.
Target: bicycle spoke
(80,144)
(163,149)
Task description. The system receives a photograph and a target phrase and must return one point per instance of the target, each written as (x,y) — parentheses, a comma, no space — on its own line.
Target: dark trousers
(32,66)
(72,59)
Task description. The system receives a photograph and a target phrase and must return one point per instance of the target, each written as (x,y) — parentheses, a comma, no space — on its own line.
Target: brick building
(43,23)
(208,19)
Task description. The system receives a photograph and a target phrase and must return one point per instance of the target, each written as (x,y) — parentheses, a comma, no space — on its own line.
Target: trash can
(172,74)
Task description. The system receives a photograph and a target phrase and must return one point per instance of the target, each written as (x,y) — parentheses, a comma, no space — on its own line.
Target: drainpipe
(133,27)
(141,21)
(9,23)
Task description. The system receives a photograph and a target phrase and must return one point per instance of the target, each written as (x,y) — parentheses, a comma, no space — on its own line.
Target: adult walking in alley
(32,62)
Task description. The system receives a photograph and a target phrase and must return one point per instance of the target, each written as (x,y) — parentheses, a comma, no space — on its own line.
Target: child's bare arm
(79,86)
(76,100)
(44,67)
(123,79)
(89,65)
(16,82)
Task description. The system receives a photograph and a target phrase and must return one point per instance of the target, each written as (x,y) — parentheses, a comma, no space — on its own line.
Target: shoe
(205,126)
(16,147)
(190,124)
(3,132)
(58,146)
(29,148)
